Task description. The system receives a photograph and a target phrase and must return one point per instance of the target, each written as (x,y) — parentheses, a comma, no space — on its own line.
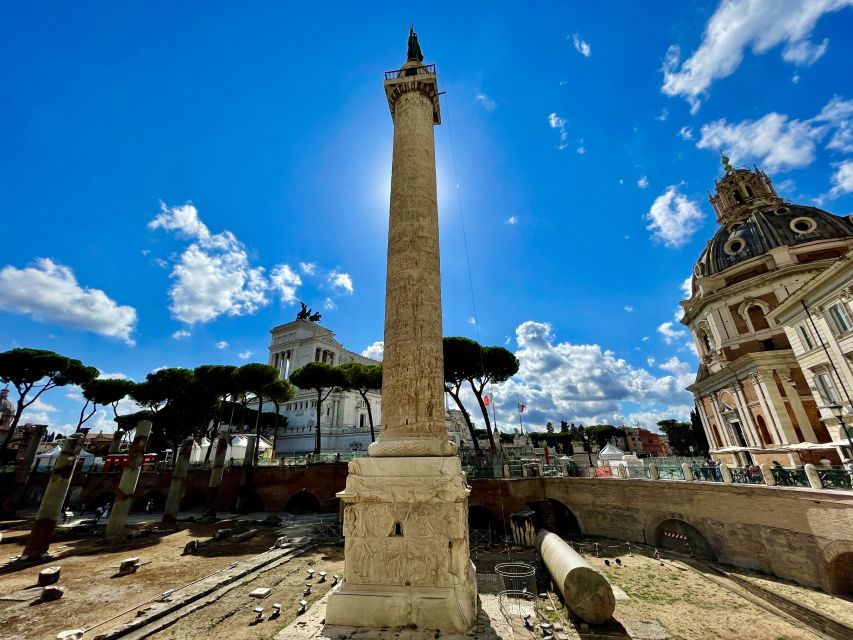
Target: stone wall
(792,533)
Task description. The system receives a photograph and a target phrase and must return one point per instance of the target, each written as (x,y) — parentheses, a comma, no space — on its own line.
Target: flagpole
(520,422)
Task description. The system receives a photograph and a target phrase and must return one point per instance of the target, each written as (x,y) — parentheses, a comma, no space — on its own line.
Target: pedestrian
(64,515)
(107,510)
(82,508)
(149,507)
(98,513)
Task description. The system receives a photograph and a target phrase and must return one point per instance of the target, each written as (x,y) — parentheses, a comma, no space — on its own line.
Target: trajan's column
(406,504)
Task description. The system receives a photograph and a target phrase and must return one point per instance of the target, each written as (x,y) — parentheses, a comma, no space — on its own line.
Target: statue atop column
(414,52)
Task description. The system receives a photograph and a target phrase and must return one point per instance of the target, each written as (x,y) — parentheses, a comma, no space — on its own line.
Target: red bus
(118,461)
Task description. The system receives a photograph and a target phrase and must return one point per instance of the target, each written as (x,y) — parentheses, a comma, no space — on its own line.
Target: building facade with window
(818,319)
(344,422)
(751,393)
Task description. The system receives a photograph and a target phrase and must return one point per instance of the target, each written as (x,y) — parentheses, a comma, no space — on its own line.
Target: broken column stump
(49,576)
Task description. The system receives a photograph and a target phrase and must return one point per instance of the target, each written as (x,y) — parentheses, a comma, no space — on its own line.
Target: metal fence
(790,477)
(670,473)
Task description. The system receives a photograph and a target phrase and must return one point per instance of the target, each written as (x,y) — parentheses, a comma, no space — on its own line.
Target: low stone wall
(273,487)
(804,535)
(797,534)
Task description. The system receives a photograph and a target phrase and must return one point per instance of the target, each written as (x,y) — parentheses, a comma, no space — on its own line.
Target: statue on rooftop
(414,52)
(304,313)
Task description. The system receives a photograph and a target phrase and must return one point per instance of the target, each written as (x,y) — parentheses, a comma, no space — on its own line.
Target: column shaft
(216,473)
(129,478)
(179,481)
(54,496)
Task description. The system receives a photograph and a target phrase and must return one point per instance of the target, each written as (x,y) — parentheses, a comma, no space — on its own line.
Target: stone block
(260,593)
(49,576)
(128,566)
(49,594)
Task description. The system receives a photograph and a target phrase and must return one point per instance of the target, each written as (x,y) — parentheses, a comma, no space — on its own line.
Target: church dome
(762,229)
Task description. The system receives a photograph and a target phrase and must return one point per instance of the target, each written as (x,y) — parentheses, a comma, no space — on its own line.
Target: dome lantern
(740,191)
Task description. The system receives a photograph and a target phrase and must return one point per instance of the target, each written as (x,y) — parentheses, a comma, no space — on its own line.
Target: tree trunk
(275,430)
(81,420)
(319,405)
(369,414)
(467,419)
(485,411)
(258,430)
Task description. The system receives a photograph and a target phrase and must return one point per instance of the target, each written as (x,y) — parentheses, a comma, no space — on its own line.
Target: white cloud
(583,383)
(512,220)
(581,46)
(245,355)
(687,287)
(838,115)
(180,334)
(628,308)
(213,275)
(161,263)
(329,304)
(673,218)
(645,338)
(581,149)
(676,367)
(842,179)
(643,182)
(650,361)
(738,25)
(472,321)
(340,280)
(686,133)
(669,334)
(781,143)
(308,268)
(556,122)
(486,102)
(49,292)
(375,351)
(285,281)
(210,284)
(663,115)
(795,78)
(621,181)
(773,140)
(222,344)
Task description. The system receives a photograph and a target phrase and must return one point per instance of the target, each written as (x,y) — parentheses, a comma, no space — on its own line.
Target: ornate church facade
(752,395)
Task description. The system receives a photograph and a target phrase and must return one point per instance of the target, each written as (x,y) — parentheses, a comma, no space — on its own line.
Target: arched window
(716,436)
(756,317)
(738,196)
(763,433)
(706,342)
(749,192)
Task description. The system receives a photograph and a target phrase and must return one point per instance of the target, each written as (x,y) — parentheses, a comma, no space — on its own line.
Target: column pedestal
(407,561)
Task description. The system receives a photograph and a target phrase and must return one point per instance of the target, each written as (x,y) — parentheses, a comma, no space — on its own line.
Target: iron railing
(423,70)
(705,473)
(641,473)
(835,478)
(671,473)
(790,477)
(745,475)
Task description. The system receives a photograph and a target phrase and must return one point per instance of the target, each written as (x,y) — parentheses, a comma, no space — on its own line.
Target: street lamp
(838,411)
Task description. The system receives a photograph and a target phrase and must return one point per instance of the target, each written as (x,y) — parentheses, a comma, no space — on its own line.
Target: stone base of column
(417,446)
(406,555)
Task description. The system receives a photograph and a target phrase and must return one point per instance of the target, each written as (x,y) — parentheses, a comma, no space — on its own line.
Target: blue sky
(174,178)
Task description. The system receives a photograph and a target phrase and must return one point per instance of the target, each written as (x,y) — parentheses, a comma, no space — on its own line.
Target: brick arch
(302,501)
(838,568)
(658,525)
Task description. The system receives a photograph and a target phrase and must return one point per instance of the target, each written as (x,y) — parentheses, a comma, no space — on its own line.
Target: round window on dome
(782,210)
(803,225)
(734,246)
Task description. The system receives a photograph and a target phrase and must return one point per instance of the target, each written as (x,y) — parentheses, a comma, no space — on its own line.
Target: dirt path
(92,591)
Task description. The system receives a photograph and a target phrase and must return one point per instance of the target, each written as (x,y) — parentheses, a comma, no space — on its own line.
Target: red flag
(521,408)
(486,400)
